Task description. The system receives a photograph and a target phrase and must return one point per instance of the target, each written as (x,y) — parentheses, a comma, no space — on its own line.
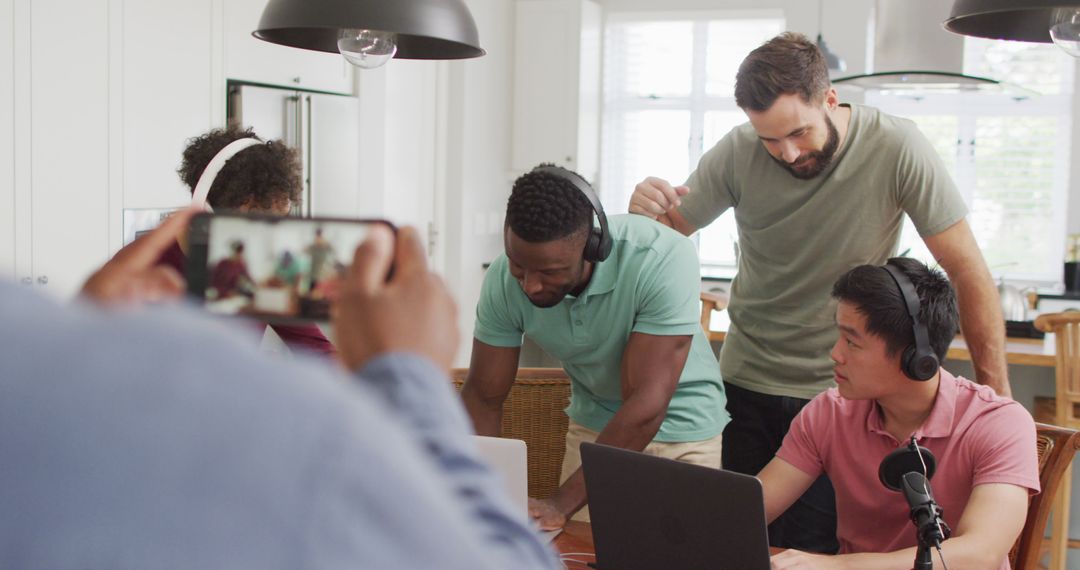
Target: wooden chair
(1056,447)
(711,302)
(533,412)
(1066,329)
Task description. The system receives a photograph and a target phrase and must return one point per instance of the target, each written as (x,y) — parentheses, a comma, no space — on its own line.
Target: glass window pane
(1043,68)
(652,143)
(718,123)
(729,42)
(1013,202)
(653,59)
(717,244)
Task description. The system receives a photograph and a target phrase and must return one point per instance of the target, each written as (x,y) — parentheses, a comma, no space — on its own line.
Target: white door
(7,143)
(69,152)
(331,145)
(411,157)
(168,96)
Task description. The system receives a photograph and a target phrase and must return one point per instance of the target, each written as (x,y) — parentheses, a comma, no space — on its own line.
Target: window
(669,81)
(1008,155)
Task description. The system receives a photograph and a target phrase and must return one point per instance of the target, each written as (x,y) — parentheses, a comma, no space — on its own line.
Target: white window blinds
(668,97)
(1008,156)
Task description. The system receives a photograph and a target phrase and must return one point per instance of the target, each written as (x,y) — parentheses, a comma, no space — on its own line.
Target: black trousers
(758,425)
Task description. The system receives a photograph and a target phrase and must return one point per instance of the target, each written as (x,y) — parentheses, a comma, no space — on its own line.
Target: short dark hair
(544,207)
(874,293)
(260,176)
(789,64)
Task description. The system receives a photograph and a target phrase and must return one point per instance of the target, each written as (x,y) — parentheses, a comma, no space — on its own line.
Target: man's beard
(821,158)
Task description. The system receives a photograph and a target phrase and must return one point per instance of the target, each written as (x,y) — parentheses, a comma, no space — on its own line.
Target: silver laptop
(649,512)
(509,458)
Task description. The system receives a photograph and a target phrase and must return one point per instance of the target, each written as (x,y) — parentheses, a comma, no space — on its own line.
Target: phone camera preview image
(271,268)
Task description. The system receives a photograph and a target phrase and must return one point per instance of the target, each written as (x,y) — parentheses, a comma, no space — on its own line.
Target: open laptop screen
(648,512)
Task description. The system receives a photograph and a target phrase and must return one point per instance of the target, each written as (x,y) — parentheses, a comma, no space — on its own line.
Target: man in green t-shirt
(817,188)
(618,306)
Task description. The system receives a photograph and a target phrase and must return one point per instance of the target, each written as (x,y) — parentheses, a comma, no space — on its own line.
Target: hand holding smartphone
(276,269)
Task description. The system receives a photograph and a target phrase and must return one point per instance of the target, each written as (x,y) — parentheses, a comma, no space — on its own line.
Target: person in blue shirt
(160,438)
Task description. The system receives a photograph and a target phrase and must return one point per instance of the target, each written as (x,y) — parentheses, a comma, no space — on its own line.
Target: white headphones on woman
(206,180)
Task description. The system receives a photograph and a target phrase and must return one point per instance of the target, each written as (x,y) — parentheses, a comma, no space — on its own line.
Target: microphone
(925,513)
(908,470)
(904,460)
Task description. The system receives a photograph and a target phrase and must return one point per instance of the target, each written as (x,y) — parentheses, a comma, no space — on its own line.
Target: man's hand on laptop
(547,514)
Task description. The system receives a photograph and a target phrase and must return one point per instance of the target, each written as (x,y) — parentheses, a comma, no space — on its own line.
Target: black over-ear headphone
(598,244)
(918,361)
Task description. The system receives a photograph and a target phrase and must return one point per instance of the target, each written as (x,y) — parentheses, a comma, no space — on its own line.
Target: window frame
(698,103)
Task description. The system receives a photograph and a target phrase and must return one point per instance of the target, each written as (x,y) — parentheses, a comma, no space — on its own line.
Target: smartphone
(273,268)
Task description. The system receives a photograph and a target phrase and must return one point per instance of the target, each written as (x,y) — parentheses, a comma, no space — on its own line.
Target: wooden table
(1022,351)
(575,545)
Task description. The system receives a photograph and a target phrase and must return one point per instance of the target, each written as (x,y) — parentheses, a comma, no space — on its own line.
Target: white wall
(478,159)
(7,141)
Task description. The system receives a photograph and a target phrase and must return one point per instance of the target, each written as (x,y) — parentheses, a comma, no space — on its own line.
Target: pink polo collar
(940,421)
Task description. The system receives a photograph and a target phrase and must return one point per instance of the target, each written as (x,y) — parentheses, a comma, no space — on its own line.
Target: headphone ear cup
(592,246)
(925,365)
(603,245)
(907,362)
(917,366)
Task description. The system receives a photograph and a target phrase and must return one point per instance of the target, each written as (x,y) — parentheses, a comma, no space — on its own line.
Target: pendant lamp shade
(1021,20)
(424,29)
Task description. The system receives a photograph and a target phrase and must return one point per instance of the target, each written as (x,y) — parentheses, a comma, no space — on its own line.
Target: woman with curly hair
(263,178)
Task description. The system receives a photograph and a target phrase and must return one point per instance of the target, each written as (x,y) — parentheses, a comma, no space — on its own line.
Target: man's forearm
(632,427)
(486,416)
(983,327)
(959,552)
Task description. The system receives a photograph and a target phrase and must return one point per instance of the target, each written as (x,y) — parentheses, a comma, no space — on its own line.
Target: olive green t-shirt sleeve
(495,322)
(670,295)
(927,192)
(711,184)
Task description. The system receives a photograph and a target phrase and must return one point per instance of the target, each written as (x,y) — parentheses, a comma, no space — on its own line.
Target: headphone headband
(598,246)
(918,362)
(206,180)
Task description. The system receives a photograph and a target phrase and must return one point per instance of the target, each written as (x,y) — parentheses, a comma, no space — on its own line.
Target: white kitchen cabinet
(253,60)
(96,107)
(557,52)
(168,95)
(7,143)
(65,235)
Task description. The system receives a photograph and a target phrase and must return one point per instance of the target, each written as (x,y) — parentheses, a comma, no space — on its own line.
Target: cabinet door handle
(43,280)
(26,281)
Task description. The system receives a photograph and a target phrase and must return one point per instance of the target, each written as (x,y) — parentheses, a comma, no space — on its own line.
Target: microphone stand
(930,530)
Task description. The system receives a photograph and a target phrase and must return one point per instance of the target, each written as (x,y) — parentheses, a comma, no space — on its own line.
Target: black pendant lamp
(1043,21)
(371,32)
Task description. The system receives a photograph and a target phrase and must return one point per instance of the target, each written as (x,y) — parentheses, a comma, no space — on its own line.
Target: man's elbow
(647,420)
(477,398)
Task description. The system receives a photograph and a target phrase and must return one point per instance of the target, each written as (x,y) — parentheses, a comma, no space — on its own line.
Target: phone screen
(276,269)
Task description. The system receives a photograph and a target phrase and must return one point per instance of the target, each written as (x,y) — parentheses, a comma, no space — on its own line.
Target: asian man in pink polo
(984,444)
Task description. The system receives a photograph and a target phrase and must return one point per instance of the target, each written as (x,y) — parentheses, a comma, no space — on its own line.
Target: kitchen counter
(1022,351)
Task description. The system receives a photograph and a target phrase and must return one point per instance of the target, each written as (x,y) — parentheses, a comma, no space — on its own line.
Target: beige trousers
(706,453)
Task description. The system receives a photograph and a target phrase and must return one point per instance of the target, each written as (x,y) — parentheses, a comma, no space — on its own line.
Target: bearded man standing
(818,187)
